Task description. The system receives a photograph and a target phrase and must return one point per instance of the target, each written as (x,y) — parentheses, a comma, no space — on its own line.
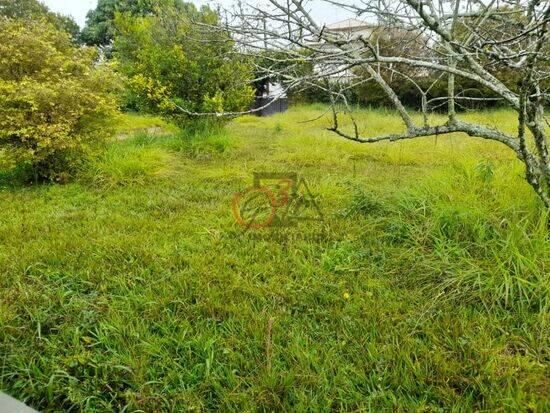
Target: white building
(348,28)
(351,27)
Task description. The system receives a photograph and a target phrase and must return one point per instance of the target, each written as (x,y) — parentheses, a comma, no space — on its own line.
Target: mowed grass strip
(425,287)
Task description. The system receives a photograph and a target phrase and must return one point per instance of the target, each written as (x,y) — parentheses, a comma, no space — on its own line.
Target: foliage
(425,289)
(100,23)
(32,9)
(173,67)
(55,101)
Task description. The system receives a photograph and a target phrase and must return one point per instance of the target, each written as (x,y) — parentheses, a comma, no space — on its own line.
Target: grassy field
(425,287)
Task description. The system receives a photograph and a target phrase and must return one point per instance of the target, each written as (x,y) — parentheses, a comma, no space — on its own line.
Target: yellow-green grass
(425,288)
(131,123)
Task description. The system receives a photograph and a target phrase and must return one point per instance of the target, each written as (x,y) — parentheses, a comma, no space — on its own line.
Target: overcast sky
(78,9)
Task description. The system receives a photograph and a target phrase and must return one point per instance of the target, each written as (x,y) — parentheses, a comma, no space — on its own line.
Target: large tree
(100,22)
(481,42)
(32,9)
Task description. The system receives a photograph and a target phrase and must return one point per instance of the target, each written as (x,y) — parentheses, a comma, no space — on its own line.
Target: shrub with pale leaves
(56,101)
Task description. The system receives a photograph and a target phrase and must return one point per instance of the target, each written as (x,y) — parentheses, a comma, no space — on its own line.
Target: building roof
(349,25)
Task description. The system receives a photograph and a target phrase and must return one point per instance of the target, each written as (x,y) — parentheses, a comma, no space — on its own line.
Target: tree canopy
(477,52)
(32,9)
(100,22)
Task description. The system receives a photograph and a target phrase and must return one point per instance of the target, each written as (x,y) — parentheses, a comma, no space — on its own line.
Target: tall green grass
(425,288)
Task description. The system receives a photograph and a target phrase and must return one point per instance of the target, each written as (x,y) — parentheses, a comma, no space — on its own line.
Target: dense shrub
(174,67)
(55,101)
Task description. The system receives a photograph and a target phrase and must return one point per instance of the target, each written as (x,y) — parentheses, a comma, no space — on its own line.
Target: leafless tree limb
(480,41)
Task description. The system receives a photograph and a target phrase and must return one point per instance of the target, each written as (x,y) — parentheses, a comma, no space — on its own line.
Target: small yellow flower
(346,296)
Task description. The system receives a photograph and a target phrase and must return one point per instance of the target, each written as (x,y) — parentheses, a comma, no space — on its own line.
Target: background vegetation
(32,9)
(100,29)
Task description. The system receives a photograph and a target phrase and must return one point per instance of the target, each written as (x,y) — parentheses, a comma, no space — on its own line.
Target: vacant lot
(424,288)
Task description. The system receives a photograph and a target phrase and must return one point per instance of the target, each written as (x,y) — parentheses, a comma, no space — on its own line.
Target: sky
(78,9)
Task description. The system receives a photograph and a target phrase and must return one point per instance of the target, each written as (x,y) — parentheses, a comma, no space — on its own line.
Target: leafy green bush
(174,68)
(55,100)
